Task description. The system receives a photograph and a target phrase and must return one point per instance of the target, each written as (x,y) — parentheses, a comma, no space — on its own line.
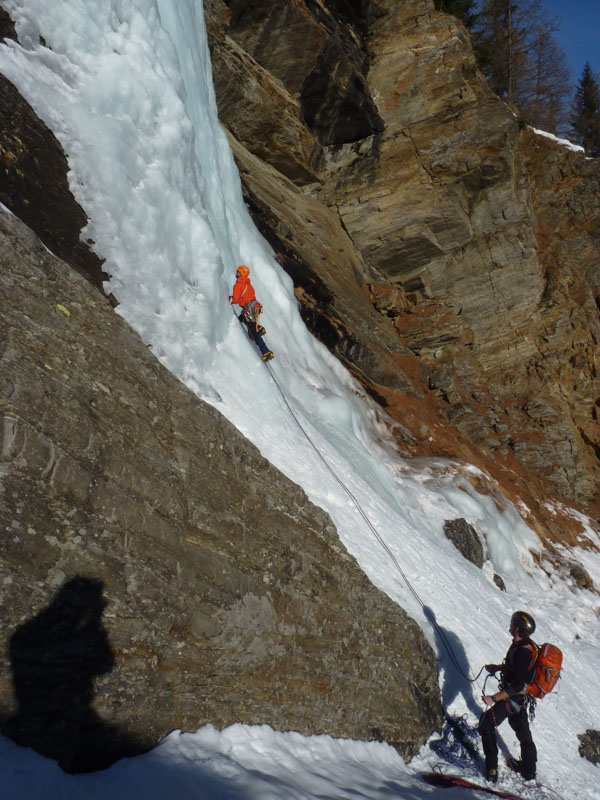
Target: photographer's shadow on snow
(453,661)
(55,657)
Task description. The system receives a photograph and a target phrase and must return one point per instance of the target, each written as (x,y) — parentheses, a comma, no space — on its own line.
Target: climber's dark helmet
(523,622)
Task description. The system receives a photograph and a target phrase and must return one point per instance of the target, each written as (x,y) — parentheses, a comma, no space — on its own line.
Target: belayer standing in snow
(243,295)
(510,702)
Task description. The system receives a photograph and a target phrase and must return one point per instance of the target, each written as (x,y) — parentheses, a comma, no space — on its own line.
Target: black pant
(252,328)
(518,721)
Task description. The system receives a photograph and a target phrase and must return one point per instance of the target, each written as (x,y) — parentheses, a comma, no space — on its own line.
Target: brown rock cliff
(447,255)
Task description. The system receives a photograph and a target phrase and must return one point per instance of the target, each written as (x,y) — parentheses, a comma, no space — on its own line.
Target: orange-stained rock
(474,241)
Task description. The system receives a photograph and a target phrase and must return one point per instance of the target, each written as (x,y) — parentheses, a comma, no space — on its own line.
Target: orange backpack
(547,661)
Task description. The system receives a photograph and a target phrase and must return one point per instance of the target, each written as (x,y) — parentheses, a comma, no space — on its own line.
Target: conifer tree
(545,85)
(463,9)
(516,49)
(499,45)
(585,117)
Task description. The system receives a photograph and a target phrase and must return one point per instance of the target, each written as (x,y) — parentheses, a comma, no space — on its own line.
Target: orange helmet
(243,270)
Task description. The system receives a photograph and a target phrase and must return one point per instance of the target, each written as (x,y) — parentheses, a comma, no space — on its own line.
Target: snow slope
(126,87)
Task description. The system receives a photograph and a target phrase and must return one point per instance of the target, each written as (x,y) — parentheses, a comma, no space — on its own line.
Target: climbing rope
(428,613)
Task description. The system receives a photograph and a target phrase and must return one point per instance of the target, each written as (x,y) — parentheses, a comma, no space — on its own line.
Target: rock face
(589,746)
(448,256)
(466,540)
(155,571)
(34,183)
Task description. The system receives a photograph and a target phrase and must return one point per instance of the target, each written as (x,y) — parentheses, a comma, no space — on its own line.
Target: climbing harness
(252,310)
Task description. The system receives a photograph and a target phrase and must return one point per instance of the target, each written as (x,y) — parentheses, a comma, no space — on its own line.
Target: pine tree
(585,118)
(463,9)
(516,49)
(545,86)
(501,43)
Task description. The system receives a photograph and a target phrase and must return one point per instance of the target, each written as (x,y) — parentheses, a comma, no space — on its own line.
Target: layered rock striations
(430,248)
(445,253)
(155,571)
(448,255)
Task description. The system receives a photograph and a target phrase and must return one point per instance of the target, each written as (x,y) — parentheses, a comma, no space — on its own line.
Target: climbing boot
(517,766)
(491,775)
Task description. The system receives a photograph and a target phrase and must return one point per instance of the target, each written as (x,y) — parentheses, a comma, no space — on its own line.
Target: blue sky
(579,32)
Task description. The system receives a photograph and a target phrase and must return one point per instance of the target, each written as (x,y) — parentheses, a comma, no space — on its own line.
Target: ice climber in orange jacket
(243,295)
